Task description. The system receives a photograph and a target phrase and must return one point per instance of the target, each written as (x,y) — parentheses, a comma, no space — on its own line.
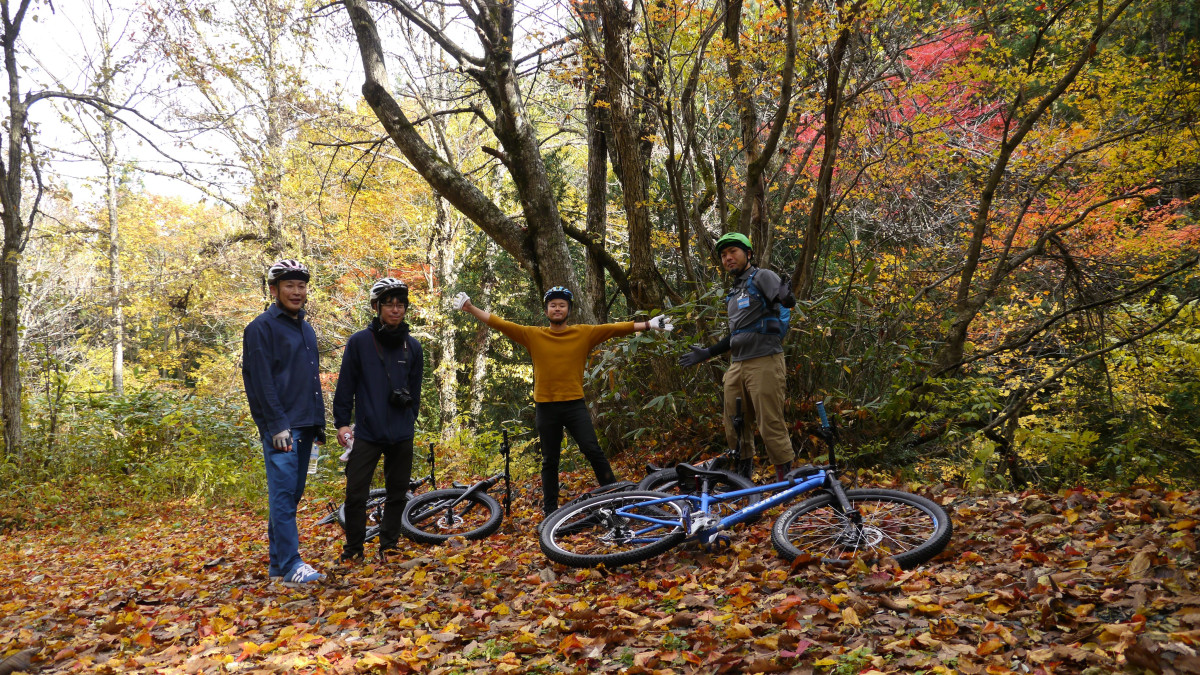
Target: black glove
(697,355)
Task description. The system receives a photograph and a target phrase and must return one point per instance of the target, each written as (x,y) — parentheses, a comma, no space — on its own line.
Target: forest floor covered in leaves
(1070,582)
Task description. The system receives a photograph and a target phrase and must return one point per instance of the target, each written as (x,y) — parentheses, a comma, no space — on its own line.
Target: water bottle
(313,458)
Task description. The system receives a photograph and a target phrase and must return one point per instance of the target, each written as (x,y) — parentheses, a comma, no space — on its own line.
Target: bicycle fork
(853,532)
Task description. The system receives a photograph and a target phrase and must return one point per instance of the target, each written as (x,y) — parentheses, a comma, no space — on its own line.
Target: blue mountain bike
(833,525)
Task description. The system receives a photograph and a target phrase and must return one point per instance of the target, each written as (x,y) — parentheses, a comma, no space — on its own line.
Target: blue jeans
(287,472)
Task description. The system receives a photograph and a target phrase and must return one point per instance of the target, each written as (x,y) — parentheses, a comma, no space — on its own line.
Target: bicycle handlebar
(822,415)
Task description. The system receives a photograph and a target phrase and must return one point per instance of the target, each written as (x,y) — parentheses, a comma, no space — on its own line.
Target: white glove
(460,300)
(662,322)
(282,440)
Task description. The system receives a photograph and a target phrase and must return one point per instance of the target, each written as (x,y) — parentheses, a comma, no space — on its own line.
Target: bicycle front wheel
(591,532)
(433,517)
(903,526)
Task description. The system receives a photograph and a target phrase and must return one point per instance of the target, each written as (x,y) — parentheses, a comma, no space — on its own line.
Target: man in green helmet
(757,373)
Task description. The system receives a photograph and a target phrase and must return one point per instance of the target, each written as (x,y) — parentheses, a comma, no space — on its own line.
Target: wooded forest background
(988,211)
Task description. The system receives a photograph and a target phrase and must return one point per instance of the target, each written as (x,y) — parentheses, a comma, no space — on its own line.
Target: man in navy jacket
(379,385)
(280,370)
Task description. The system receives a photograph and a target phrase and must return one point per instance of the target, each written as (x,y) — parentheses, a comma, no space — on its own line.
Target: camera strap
(382,362)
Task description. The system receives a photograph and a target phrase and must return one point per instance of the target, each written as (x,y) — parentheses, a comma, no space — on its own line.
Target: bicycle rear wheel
(591,533)
(903,526)
(667,480)
(433,517)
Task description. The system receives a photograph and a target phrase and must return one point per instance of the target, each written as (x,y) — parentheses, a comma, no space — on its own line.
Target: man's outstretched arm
(699,354)
(661,322)
(463,301)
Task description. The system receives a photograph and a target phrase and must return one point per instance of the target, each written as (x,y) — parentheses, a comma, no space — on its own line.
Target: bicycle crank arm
(717,540)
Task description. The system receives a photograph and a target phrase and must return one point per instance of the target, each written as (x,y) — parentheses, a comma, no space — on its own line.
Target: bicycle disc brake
(617,526)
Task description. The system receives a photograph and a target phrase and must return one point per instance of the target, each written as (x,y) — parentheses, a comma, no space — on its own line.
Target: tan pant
(761,383)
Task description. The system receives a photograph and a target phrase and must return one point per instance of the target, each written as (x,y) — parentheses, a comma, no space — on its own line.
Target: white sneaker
(303,574)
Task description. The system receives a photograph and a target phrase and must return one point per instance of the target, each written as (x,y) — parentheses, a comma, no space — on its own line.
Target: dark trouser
(397,469)
(573,416)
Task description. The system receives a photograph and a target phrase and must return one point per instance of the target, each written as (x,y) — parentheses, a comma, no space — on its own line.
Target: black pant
(573,416)
(397,469)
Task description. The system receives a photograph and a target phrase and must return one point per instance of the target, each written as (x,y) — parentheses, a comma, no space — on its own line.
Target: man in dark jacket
(280,370)
(380,387)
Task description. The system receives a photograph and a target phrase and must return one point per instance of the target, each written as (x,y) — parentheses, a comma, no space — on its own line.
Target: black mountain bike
(660,479)
(432,517)
(832,525)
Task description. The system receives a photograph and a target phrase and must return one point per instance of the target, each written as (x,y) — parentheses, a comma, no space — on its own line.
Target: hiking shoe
(303,574)
(350,558)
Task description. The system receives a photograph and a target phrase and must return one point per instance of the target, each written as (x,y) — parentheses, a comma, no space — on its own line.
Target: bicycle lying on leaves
(432,517)
(835,525)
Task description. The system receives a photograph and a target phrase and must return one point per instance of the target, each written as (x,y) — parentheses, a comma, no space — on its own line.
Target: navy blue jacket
(363,386)
(281,372)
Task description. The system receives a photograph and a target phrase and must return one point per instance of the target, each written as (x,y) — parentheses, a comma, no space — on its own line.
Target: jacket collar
(388,338)
(276,311)
(745,274)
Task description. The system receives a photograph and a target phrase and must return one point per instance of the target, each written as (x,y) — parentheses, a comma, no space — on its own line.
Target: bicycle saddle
(802,472)
(688,472)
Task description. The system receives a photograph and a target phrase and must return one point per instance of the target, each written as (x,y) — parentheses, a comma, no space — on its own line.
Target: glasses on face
(392,304)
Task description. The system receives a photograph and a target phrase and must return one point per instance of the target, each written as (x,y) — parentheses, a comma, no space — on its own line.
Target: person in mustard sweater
(559,355)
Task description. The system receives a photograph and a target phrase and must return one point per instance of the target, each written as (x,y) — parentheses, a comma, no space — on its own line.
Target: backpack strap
(752,288)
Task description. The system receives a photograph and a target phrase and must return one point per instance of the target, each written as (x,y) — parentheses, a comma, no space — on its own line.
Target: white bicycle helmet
(287,269)
(389,286)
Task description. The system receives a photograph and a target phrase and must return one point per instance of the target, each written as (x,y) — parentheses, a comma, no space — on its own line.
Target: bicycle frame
(488,483)
(700,524)
(706,528)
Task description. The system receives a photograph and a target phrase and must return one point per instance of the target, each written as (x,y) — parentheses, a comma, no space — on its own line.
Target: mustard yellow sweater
(559,356)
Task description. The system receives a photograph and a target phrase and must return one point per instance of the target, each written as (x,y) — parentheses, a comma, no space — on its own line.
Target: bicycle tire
(667,480)
(376,500)
(906,527)
(570,534)
(427,518)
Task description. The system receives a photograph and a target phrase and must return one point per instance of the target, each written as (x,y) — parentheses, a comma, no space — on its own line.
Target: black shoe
(350,558)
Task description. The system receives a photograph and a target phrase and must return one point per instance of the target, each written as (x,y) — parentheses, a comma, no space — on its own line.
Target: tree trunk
(633,169)
(10,347)
(272,176)
(447,370)
(109,160)
(483,336)
(16,230)
(804,275)
(541,246)
(114,263)
(597,207)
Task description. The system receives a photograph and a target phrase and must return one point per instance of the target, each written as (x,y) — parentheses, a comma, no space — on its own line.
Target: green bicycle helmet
(733,239)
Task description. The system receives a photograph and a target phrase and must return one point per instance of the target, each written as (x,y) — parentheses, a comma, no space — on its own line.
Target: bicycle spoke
(906,527)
